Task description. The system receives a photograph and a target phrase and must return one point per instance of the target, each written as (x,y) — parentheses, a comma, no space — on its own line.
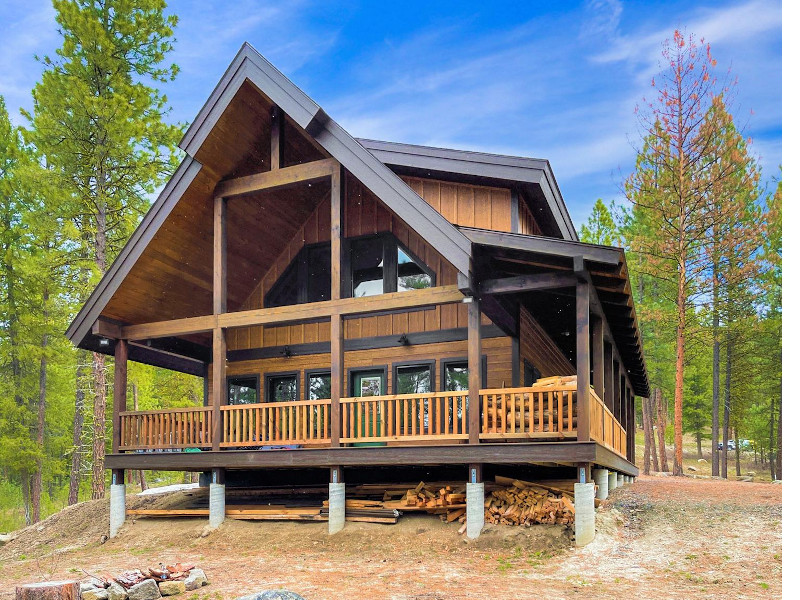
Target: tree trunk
(715,381)
(36,492)
(738,451)
(661,426)
(99,360)
(726,416)
(77,429)
(699,438)
(771,439)
(51,590)
(647,425)
(680,357)
(779,448)
(25,479)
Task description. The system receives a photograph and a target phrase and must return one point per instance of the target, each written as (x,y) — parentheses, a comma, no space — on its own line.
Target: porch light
(404,341)
(104,342)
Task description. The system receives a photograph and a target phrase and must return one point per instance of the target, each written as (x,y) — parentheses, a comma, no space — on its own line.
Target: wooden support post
(220,305)
(120,392)
(475,473)
(584,474)
(276,139)
(337,475)
(474,364)
(616,405)
(630,428)
(515,363)
(337,326)
(582,359)
(598,356)
(608,377)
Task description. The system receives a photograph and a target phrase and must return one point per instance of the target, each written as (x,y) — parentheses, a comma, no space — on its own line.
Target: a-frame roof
(250,66)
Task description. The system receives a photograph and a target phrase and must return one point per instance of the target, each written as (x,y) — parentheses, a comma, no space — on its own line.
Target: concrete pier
(475,510)
(584,513)
(336,507)
(600,477)
(612,480)
(117,508)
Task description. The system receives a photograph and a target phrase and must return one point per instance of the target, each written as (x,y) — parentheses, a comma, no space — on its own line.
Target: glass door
(366,384)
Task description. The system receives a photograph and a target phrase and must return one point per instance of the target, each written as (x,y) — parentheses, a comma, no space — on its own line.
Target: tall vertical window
(307,279)
(456,377)
(281,388)
(319,386)
(413,379)
(366,261)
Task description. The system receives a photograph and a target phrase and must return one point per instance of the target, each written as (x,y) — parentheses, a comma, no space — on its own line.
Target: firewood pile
(525,503)
(530,407)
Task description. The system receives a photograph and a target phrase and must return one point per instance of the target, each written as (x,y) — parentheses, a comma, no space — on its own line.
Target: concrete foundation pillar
(584,513)
(117,508)
(216,504)
(612,480)
(475,510)
(600,477)
(336,507)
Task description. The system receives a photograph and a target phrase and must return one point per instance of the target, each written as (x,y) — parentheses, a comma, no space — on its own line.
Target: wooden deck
(538,413)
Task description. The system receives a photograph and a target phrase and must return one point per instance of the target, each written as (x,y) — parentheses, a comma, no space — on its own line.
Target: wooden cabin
(355,304)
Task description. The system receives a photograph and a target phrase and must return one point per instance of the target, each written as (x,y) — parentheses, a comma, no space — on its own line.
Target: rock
(171,588)
(778,481)
(88,586)
(751,473)
(693,469)
(95,594)
(702,460)
(272,595)
(146,590)
(5,538)
(117,592)
(196,579)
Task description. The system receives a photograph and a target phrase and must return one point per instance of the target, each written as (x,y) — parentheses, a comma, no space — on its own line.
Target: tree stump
(49,590)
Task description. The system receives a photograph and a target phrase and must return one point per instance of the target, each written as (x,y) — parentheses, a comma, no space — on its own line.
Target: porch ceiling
(498,255)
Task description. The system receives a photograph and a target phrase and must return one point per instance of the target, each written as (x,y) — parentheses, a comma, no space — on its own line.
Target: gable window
(282,388)
(380,264)
(243,389)
(307,279)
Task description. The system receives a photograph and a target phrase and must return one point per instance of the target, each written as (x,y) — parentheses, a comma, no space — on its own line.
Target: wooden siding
(463,204)
(527,222)
(539,350)
(364,214)
(497,352)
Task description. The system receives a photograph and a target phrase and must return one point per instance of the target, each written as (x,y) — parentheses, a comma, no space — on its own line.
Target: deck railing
(408,417)
(604,428)
(537,412)
(166,429)
(276,423)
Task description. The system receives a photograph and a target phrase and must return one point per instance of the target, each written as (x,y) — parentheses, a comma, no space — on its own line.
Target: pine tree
(99,120)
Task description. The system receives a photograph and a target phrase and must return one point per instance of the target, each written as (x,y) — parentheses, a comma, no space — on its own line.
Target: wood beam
(474,364)
(278,178)
(598,356)
(337,329)
(219,348)
(220,304)
(527,283)
(120,391)
(162,329)
(608,376)
(276,139)
(582,359)
(107,328)
(218,385)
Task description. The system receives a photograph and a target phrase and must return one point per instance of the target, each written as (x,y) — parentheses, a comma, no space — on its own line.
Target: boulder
(272,595)
(196,579)
(146,590)
(95,594)
(117,592)
(171,588)
(85,587)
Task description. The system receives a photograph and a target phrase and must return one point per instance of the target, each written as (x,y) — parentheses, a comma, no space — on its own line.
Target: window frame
(256,376)
(448,361)
(390,247)
(352,372)
(430,363)
(526,364)
(267,380)
(302,275)
(308,374)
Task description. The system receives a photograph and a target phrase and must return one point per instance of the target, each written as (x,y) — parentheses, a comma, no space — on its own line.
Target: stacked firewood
(524,503)
(424,496)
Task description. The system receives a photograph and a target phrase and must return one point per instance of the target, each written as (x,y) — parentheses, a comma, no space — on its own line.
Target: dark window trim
(430,363)
(420,263)
(268,376)
(390,265)
(309,373)
(447,361)
(256,376)
(351,372)
(527,364)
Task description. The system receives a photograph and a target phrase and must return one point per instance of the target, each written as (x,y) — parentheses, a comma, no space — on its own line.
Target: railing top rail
(164,411)
(276,404)
(531,388)
(404,396)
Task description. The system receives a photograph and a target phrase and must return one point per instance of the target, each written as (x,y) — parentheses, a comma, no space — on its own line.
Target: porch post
(582,359)
(219,346)
(337,328)
(598,358)
(616,408)
(608,377)
(474,365)
(120,392)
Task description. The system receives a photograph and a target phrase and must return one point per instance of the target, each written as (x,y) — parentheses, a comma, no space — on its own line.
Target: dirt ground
(661,537)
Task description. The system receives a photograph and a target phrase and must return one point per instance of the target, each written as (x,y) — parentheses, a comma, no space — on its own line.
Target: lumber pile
(437,498)
(528,504)
(365,511)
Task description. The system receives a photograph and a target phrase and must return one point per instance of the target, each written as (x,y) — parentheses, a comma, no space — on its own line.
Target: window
(307,279)
(282,388)
(318,386)
(243,389)
(381,264)
(413,379)
(530,375)
(455,374)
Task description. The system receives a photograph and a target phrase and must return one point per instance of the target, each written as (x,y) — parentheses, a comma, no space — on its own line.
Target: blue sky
(555,80)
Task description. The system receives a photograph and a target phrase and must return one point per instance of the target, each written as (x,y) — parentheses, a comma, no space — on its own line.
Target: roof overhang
(482,168)
(607,268)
